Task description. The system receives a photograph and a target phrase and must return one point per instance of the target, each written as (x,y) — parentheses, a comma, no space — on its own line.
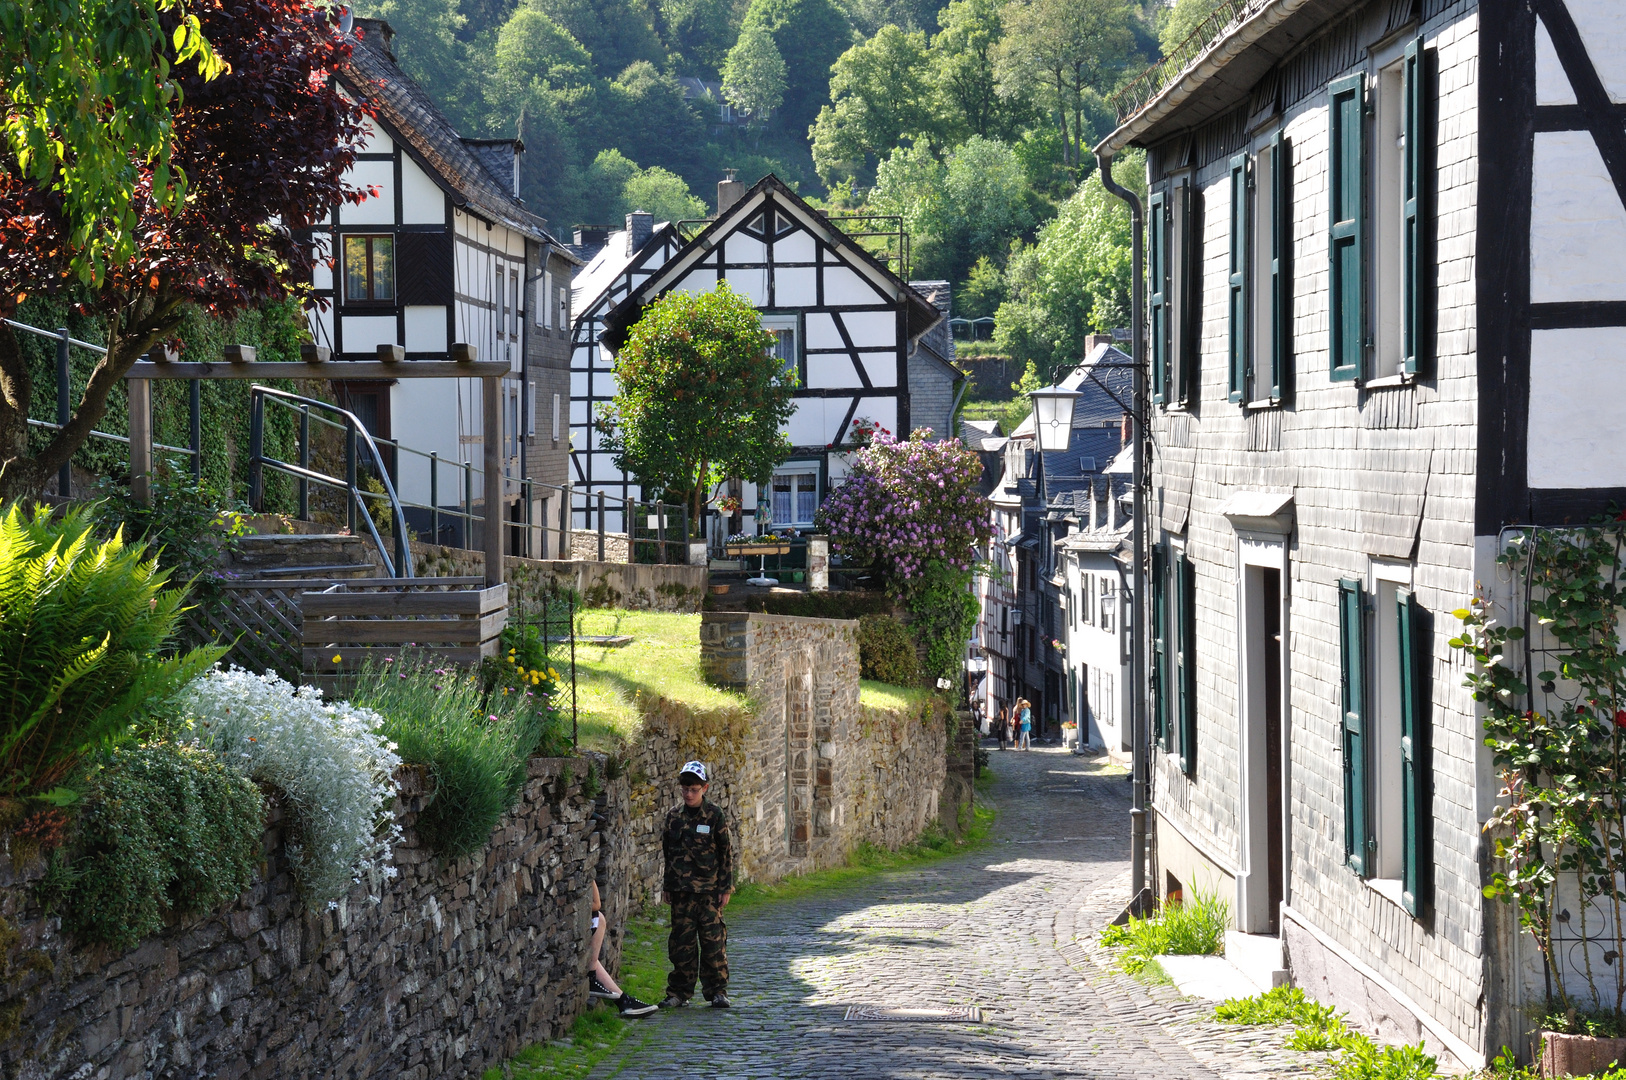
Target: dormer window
(369,269)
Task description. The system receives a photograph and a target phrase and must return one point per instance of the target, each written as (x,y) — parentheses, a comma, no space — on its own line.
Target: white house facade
(1387,320)
(847,325)
(444,252)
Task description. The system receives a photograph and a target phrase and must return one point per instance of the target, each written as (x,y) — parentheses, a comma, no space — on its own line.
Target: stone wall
(458,967)
(638,586)
(809,773)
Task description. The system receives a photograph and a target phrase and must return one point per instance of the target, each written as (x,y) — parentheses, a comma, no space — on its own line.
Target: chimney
(1091,341)
(729,191)
(640,227)
(380,31)
(590,240)
(1126,430)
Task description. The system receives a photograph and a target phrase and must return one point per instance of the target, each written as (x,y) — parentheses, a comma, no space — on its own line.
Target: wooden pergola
(240,363)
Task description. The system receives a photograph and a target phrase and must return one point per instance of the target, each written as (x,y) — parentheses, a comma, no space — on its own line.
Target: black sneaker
(672,1001)
(719,1000)
(631,1006)
(596,989)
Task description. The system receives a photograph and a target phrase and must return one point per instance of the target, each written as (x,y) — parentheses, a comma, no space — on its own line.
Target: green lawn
(664,658)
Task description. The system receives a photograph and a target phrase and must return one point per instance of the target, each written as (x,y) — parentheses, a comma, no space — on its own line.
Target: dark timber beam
(338,369)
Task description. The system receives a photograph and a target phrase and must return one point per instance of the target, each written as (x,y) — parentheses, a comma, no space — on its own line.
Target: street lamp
(1053,417)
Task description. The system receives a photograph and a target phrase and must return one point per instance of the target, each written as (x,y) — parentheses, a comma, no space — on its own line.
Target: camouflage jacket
(699,850)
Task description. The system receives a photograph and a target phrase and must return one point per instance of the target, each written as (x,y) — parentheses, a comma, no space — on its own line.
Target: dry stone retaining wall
(637,586)
(809,773)
(457,968)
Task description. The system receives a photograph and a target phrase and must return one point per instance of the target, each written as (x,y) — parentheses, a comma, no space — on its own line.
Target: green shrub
(1194,928)
(1363,1059)
(886,651)
(81,624)
(164,828)
(473,743)
(944,610)
(186,524)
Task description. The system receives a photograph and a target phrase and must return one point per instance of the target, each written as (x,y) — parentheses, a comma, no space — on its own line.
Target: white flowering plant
(332,763)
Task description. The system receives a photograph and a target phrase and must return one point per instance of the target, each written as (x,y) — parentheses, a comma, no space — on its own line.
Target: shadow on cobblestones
(994,928)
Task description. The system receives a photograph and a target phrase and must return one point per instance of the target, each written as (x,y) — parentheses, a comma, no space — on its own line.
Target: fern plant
(82,623)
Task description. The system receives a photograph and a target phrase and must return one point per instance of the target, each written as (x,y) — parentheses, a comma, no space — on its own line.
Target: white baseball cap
(697,768)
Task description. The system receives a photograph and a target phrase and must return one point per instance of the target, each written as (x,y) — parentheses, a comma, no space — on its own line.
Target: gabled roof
(982,435)
(1220,73)
(411,118)
(1106,396)
(940,338)
(921,316)
(612,260)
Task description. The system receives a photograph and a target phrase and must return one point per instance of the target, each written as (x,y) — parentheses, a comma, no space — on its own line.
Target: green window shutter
(1352,642)
(1157,270)
(1281,283)
(1414,265)
(1346,238)
(1237,290)
(1416,779)
(1185,294)
(1185,629)
(1160,645)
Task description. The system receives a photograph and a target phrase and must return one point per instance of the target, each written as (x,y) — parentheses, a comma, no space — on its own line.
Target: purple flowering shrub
(907,505)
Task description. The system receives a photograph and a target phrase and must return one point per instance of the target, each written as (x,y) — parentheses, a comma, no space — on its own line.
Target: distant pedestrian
(1011,721)
(1025,725)
(1002,727)
(698,883)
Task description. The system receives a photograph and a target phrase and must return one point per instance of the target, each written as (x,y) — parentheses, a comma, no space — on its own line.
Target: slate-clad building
(1387,293)
(444,252)
(845,323)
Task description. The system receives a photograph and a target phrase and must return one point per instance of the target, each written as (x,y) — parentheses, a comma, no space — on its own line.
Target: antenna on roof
(728,174)
(347,19)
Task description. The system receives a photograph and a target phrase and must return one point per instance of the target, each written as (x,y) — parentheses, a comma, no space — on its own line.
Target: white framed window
(539,309)
(556,418)
(1390,581)
(786,332)
(564,308)
(530,401)
(1387,283)
(519,302)
(795,495)
(1087,591)
(1109,601)
(499,298)
(544,312)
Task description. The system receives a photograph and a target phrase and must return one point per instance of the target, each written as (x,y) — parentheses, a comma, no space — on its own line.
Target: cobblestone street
(1002,929)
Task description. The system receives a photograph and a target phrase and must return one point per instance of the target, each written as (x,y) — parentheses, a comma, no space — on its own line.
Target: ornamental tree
(912,511)
(701,398)
(264,146)
(908,504)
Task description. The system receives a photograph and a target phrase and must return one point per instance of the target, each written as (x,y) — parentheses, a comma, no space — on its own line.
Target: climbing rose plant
(909,504)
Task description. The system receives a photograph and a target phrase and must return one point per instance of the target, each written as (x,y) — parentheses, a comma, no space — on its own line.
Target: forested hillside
(972,120)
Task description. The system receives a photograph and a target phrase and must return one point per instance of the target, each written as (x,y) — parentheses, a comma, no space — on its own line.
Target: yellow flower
(337,658)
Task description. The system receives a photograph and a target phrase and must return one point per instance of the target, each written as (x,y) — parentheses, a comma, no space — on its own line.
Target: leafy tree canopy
(701,397)
(883,97)
(957,211)
(963,67)
(1075,279)
(697,33)
(754,74)
(810,35)
(89,90)
(1066,54)
(615,32)
(265,147)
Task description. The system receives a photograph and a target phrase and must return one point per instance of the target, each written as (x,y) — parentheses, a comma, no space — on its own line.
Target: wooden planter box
(1578,1055)
(737,550)
(456,620)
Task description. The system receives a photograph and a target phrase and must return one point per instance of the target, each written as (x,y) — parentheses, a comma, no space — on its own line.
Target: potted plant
(1553,693)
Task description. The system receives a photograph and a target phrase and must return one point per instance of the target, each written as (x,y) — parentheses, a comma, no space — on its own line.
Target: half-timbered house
(847,326)
(1387,280)
(444,252)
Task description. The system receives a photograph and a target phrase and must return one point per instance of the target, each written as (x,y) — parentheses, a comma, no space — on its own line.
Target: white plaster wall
(1577,222)
(425,328)
(1577,384)
(377,209)
(1602,24)
(422,201)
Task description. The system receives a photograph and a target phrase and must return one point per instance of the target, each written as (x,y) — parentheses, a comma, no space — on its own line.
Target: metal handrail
(353,428)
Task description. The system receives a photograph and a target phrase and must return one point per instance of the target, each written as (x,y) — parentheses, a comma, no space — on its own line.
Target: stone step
(1212,978)
(1258,957)
(285,554)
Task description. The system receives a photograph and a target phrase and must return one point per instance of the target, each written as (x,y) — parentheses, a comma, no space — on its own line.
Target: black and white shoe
(720,1000)
(672,1001)
(596,989)
(631,1006)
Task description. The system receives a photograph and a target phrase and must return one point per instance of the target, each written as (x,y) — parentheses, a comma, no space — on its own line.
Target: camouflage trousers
(698,945)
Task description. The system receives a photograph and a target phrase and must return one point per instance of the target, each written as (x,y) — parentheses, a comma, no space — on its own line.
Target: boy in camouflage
(699,881)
